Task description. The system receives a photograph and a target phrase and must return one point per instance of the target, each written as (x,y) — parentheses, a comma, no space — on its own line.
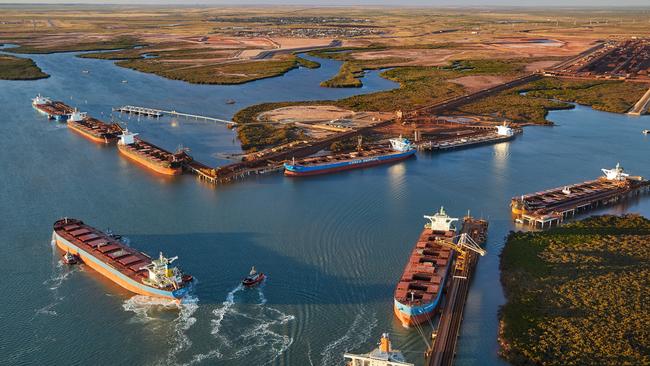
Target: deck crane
(462,244)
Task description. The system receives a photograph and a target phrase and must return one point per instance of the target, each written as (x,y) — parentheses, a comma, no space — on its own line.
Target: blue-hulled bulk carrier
(400,149)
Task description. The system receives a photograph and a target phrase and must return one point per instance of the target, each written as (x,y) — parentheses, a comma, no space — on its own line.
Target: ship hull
(146,163)
(89,136)
(413,315)
(42,109)
(301,171)
(107,271)
(408,319)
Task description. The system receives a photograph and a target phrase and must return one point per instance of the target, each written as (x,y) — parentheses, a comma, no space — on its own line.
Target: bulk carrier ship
(93,129)
(151,156)
(420,288)
(53,110)
(400,149)
(127,267)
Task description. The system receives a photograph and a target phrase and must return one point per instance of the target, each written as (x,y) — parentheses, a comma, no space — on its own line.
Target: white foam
(182,324)
(358,332)
(256,328)
(261,295)
(47,309)
(59,276)
(311,363)
(225,308)
(60,273)
(142,306)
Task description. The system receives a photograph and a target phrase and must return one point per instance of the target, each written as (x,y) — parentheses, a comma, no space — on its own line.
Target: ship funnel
(384,343)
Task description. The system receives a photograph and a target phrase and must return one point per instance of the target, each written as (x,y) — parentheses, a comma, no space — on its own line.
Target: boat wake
(148,308)
(242,329)
(358,333)
(251,330)
(60,273)
(155,311)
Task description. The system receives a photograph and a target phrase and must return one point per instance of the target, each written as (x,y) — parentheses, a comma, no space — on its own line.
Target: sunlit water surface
(333,246)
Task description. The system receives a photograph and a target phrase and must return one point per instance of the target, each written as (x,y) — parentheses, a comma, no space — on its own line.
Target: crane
(462,244)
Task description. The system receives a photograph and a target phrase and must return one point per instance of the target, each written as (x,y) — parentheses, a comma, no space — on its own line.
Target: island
(16,68)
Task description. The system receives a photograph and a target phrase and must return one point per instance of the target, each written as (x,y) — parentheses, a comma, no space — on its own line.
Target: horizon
(527,4)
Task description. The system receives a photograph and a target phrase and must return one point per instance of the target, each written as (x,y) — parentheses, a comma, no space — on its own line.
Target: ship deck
(553,205)
(343,157)
(150,151)
(55,108)
(97,127)
(104,247)
(426,270)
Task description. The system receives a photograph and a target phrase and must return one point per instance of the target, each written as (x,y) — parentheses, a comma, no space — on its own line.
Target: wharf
(553,206)
(445,337)
(273,161)
(641,107)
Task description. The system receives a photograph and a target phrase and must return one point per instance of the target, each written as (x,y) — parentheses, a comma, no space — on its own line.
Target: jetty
(641,107)
(553,206)
(156,113)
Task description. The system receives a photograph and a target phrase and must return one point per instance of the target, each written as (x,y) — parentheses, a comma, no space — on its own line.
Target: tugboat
(645,132)
(70,259)
(384,355)
(254,278)
(230,101)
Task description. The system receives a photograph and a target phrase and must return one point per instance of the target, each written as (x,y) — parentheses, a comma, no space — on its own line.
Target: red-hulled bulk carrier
(127,267)
(52,109)
(151,156)
(93,129)
(420,288)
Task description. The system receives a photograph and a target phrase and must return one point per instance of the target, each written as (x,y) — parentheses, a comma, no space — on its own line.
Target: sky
(428,3)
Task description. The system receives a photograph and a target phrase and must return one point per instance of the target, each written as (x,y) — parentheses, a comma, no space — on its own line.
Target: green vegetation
(511,105)
(419,85)
(347,77)
(187,65)
(259,136)
(422,85)
(352,69)
(16,68)
(307,63)
(161,51)
(128,54)
(577,295)
(254,138)
(112,44)
(533,107)
(222,73)
(609,96)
